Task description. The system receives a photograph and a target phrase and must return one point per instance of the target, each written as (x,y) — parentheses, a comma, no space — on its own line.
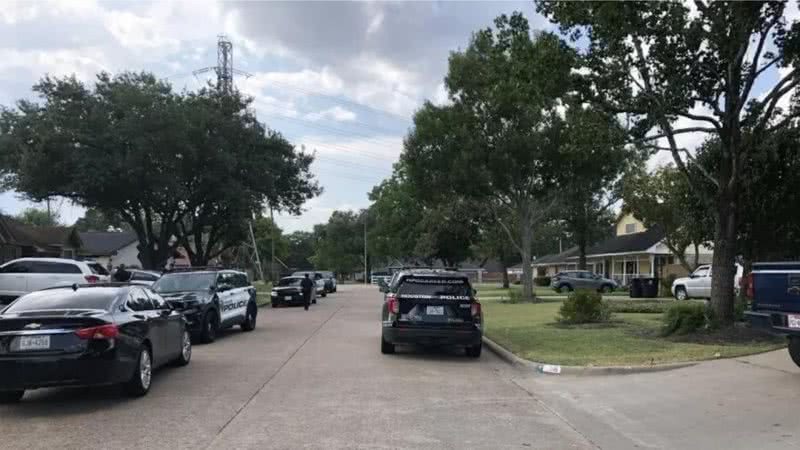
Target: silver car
(581,279)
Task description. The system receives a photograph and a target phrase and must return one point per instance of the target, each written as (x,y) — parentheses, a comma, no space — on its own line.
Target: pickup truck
(775,292)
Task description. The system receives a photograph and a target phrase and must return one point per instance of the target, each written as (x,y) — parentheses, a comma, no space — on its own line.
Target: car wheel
(314,301)
(11,396)
(387,348)
(794,349)
(186,350)
(565,288)
(139,384)
(210,327)
(474,351)
(324,294)
(274,305)
(606,289)
(249,323)
(680,293)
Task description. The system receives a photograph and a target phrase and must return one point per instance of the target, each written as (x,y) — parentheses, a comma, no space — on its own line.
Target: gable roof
(556,258)
(15,232)
(105,243)
(628,243)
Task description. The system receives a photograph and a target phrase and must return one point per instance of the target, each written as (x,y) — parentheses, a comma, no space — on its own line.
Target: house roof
(105,243)
(627,243)
(557,258)
(15,232)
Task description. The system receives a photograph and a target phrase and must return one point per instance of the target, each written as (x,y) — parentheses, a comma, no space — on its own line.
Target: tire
(680,293)
(324,294)
(210,327)
(11,396)
(474,351)
(794,349)
(606,289)
(249,323)
(274,305)
(142,377)
(387,348)
(186,350)
(314,302)
(565,288)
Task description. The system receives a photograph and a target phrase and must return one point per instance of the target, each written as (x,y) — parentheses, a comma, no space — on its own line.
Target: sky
(341,79)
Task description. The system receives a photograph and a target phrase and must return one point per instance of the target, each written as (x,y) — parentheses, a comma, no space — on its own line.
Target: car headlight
(274,294)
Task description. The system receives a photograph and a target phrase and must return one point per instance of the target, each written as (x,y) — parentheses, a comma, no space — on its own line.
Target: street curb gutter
(578,370)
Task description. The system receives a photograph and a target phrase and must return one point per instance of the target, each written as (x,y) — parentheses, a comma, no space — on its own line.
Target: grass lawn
(262,290)
(494,291)
(530,331)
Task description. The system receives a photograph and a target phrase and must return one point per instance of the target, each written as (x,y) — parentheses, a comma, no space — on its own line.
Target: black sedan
(289,292)
(88,335)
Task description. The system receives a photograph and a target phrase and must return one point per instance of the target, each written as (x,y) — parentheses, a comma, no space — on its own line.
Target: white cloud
(375,23)
(336,113)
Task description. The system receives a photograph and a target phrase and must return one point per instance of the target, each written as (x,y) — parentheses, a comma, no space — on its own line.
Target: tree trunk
(506,284)
(696,256)
(581,251)
(526,237)
(723,267)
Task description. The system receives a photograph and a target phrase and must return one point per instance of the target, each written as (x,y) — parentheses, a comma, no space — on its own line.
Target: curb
(538,367)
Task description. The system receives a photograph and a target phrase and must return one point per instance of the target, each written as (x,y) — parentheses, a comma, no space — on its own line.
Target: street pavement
(311,379)
(317,379)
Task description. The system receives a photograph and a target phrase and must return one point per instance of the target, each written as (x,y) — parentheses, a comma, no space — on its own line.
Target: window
(18,267)
(225,281)
(144,276)
(157,301)
(242,280)
(630,228)
(701,272)
(587,275)
(98,269)
(139,301)
(54,267)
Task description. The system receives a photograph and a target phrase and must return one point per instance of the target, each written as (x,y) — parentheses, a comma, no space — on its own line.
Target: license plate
(288,297)
(434,310)
(34,342)
(794,321)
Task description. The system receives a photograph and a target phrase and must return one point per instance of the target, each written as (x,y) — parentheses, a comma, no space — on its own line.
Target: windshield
(290,282)
(184,282)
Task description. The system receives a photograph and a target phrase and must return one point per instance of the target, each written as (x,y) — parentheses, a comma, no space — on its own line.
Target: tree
(187,168)
(396,218)
(38,217)
(265,232)
(492,243)
(300,249)
(664,199)
(96,220)
(340,243)
(497,143)
(594,158)
(447,232)
(675,71)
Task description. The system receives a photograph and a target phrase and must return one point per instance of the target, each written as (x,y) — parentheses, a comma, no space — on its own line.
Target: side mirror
(212,288)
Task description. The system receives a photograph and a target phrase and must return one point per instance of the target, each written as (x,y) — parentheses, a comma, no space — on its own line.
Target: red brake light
(109,331)
(92,279)
(393,304)
(475,308)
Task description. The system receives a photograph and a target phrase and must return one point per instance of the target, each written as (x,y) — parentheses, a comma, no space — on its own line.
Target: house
(478,271)
(111,248)
(19,240)
(634,252)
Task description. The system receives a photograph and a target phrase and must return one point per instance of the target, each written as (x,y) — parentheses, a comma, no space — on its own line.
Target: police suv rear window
(434,288)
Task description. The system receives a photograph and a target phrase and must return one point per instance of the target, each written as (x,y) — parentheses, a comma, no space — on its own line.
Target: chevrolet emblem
(32,326)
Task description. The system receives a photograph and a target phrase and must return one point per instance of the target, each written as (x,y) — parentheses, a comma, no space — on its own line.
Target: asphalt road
(311,379)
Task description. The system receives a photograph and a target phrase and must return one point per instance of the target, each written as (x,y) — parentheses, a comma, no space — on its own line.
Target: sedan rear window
(66,298)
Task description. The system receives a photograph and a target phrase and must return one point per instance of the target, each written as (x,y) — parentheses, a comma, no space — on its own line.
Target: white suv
(20,276)
(698,284)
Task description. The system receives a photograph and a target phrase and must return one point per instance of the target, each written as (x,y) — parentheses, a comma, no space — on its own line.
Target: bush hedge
(685,318)
(584,306)
(541,281)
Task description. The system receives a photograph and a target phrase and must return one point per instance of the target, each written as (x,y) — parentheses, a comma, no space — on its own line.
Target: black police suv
(431,307)
(288,292)
(211,300)
(88,335)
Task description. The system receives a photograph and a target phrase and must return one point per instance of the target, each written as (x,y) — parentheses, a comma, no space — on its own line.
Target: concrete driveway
(311,379)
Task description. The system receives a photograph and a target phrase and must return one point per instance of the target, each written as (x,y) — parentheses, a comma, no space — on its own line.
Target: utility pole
(366,281)
(272,276)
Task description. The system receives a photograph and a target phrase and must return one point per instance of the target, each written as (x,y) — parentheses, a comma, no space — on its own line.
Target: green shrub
(685,318)
(584,307)
(741,305)
(666,285)
(541,281)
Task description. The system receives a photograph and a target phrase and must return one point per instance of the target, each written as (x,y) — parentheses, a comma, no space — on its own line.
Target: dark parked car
(432,308)
(330,280)
(88,335)
(289,292)
(581,279)
(774,288)
(211,300)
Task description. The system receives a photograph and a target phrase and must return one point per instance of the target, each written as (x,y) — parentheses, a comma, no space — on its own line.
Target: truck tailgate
(776,286)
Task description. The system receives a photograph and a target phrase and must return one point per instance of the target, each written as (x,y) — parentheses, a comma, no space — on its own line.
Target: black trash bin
(635,288)
(649,287)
